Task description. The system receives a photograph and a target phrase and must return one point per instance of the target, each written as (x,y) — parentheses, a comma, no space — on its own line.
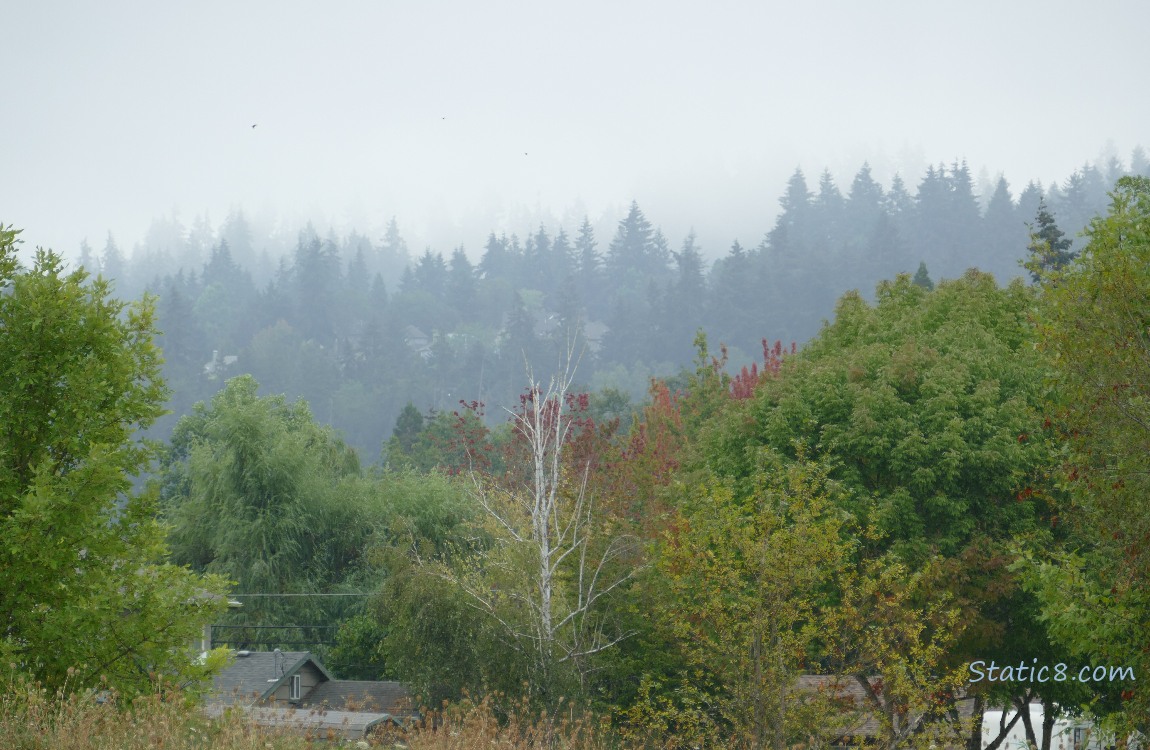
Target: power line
(238,596)
(273,627)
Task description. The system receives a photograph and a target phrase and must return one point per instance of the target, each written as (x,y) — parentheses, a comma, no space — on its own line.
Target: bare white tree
(546,576)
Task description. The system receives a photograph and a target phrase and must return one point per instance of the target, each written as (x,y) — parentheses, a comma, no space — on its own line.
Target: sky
(460,118)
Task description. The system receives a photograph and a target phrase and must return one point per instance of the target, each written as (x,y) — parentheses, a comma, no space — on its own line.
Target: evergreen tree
(1027,207)
(931,240)
(87,259)
(1084,196)
(1049,247)
(431,274)
(112,264)
(408,425)
(732,315)
(317,280)
(358,285)
(238,234)
(864,203)
(497,261)
(828,216)
(1139,163)
(922,278)
(631,258)
(1114,171)
(868,258)
(561,264)
(963,216)
(793,226)
(685,306)
(201,239)
(520,344)
(461,285)
(537,261)
(588,270)
(1003,234)
(377,296)
(569,308)
(392,258)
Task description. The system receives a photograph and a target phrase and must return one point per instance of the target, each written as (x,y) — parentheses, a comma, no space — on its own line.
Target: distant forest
(360,327)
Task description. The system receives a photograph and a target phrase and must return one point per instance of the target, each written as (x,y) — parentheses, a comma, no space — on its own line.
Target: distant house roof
(254,675)
(314,723)
(326,708)
(388,697)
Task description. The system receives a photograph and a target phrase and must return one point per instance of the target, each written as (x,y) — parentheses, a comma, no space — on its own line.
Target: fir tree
(1049,247)
(588,268)
(922,278)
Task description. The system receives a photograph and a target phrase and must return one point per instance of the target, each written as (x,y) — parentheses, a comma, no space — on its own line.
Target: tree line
(946,473)
(360,327)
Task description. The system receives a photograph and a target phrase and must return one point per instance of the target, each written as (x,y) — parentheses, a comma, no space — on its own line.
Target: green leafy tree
(748,580)
(1093,326)
(928,407)
(260,493)
(87,598)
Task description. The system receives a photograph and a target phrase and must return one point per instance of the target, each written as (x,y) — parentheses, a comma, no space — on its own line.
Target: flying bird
(255,124)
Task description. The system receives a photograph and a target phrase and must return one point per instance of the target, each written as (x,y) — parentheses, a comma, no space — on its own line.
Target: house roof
(388,697)
(318,723)
(254,675)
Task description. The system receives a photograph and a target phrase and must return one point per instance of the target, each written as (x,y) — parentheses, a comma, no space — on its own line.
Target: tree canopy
(87,598)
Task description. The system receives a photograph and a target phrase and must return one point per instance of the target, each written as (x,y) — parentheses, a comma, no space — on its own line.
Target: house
(293,690)
(219,365)
(1068,733)
(416,339)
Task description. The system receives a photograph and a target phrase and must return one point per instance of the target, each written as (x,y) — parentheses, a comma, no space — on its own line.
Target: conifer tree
(922,278)
(1003,234)
(1049,247)
(588,268)
(461,285)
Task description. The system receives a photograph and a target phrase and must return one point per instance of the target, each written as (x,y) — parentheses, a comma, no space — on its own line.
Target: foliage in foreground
(85,584)
(1094,326)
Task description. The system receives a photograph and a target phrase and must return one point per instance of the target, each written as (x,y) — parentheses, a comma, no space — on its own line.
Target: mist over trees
(719,556)
(360,326)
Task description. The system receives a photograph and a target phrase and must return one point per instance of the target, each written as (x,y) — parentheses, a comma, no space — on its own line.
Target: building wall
(1061,737)
(309,678)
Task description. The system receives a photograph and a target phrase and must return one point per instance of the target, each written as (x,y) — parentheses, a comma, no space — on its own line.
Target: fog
(461,118)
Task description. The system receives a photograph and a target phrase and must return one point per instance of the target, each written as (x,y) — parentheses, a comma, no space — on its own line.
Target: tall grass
(34,718)
(480,724)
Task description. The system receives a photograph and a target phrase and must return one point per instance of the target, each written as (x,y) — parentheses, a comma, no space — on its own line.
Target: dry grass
(32,718)
(469,724)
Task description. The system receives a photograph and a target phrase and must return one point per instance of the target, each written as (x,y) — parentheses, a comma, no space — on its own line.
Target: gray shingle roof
(254,675)
(388,697)
(315,723)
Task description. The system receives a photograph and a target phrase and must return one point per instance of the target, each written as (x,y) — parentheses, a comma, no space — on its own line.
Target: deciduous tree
(87,598)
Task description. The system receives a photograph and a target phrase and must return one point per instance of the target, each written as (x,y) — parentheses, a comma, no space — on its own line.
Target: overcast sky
(463,117)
